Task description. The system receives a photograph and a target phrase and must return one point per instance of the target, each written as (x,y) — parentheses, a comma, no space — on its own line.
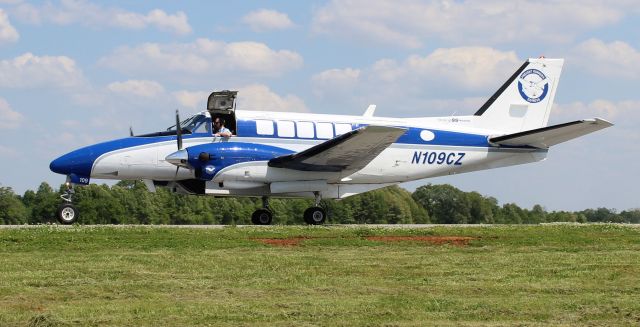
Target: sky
(75,72)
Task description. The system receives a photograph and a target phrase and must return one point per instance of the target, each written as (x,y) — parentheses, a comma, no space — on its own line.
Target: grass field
(572,275)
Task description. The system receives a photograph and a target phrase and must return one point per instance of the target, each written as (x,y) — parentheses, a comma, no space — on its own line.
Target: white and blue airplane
(285,154)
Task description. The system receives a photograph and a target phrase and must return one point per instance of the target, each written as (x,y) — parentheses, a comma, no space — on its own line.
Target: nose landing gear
(67,213)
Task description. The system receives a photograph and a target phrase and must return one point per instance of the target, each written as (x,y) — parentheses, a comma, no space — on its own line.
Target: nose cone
(77,162)
(59,166)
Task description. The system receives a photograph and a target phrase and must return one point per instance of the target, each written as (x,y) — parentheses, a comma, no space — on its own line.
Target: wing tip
(599,121)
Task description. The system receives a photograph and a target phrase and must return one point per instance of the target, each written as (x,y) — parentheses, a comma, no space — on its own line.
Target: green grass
(511,275)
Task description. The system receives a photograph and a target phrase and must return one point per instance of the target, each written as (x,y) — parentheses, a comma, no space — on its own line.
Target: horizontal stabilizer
(348,152)
(551,135)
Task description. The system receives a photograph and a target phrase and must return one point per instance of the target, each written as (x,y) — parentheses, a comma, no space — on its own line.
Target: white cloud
(31,71)
(7,32)
(622,112)
(191,99)
(410,23)
(82,12)
(176,23)
(260,97)
(9,118)
(443,82)
(335,81)
(615,59)
(265,20)
(461,70)
(141,88)
(202,57)
(469,67)
(250,97)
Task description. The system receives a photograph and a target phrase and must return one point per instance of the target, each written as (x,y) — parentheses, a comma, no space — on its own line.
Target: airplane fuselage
(430,147)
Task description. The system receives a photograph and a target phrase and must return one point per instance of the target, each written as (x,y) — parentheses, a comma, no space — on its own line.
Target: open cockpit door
(222,104)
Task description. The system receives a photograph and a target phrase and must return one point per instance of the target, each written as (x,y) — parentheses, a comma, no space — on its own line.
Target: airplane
(284,154)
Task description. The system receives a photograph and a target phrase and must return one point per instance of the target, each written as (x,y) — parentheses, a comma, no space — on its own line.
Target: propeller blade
(175,177)
(178,130)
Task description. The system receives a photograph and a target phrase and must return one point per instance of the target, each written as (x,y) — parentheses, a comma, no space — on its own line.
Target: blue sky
(74,73)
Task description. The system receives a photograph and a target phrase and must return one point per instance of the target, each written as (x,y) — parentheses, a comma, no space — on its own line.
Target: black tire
(315,216)
(262,217)
(67,214)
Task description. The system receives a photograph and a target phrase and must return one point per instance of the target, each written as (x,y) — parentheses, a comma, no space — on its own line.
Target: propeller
(178,130)
(180,157)
(178,139)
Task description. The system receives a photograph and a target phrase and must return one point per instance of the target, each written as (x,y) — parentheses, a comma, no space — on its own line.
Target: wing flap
(351,151)
(551,135)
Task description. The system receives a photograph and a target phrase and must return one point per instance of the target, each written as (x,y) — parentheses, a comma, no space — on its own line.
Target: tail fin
(524,101)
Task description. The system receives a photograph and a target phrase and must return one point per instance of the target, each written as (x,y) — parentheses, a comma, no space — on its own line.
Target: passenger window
(264,127)
(324,130)
(305,129)
(286,128)
(342,128)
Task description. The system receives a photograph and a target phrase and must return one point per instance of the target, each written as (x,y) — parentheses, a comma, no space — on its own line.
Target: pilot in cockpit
(219,129)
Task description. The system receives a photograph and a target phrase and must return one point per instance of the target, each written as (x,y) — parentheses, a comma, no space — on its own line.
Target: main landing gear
(315,215)
(67,213)
(262,216)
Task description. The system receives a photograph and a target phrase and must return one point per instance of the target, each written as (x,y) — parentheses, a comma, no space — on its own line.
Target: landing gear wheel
(261,217)
(67,214)
(315,216)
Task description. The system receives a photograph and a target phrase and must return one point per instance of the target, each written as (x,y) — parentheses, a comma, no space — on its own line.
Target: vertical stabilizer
(524,101)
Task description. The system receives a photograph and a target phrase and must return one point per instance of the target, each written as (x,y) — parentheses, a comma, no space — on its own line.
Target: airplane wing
(551,135)
(351,151)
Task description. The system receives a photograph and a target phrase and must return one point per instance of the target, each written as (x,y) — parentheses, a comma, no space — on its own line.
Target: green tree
(444,203)
(97,205)
(536,215)
(510,213)
(481,209)
(44,204)
(12,210)
(601,215)
(630,216)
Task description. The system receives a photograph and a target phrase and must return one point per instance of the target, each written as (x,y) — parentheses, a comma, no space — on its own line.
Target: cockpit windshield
(191,124)
(195,124)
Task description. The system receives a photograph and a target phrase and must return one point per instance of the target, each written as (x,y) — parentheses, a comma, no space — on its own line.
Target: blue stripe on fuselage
(80,161)
(247,128)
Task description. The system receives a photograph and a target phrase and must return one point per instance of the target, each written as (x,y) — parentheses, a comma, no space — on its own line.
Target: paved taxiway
(390,226)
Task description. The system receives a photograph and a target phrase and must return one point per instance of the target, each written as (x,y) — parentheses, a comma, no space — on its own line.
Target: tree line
(130,202)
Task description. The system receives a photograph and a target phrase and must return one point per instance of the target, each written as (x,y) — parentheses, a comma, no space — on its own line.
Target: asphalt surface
(390,226)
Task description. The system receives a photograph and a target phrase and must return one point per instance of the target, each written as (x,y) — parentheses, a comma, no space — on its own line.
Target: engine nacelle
(208,159)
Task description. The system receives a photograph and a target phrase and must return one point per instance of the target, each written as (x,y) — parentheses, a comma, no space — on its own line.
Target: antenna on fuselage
(130,131)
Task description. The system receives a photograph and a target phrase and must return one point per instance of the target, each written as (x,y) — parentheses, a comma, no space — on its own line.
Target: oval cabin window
(427,135)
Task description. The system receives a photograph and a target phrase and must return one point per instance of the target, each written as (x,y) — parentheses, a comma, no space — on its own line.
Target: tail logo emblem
(533,85)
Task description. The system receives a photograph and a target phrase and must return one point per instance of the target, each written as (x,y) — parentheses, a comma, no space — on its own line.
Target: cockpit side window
(189,124)
(204,127)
